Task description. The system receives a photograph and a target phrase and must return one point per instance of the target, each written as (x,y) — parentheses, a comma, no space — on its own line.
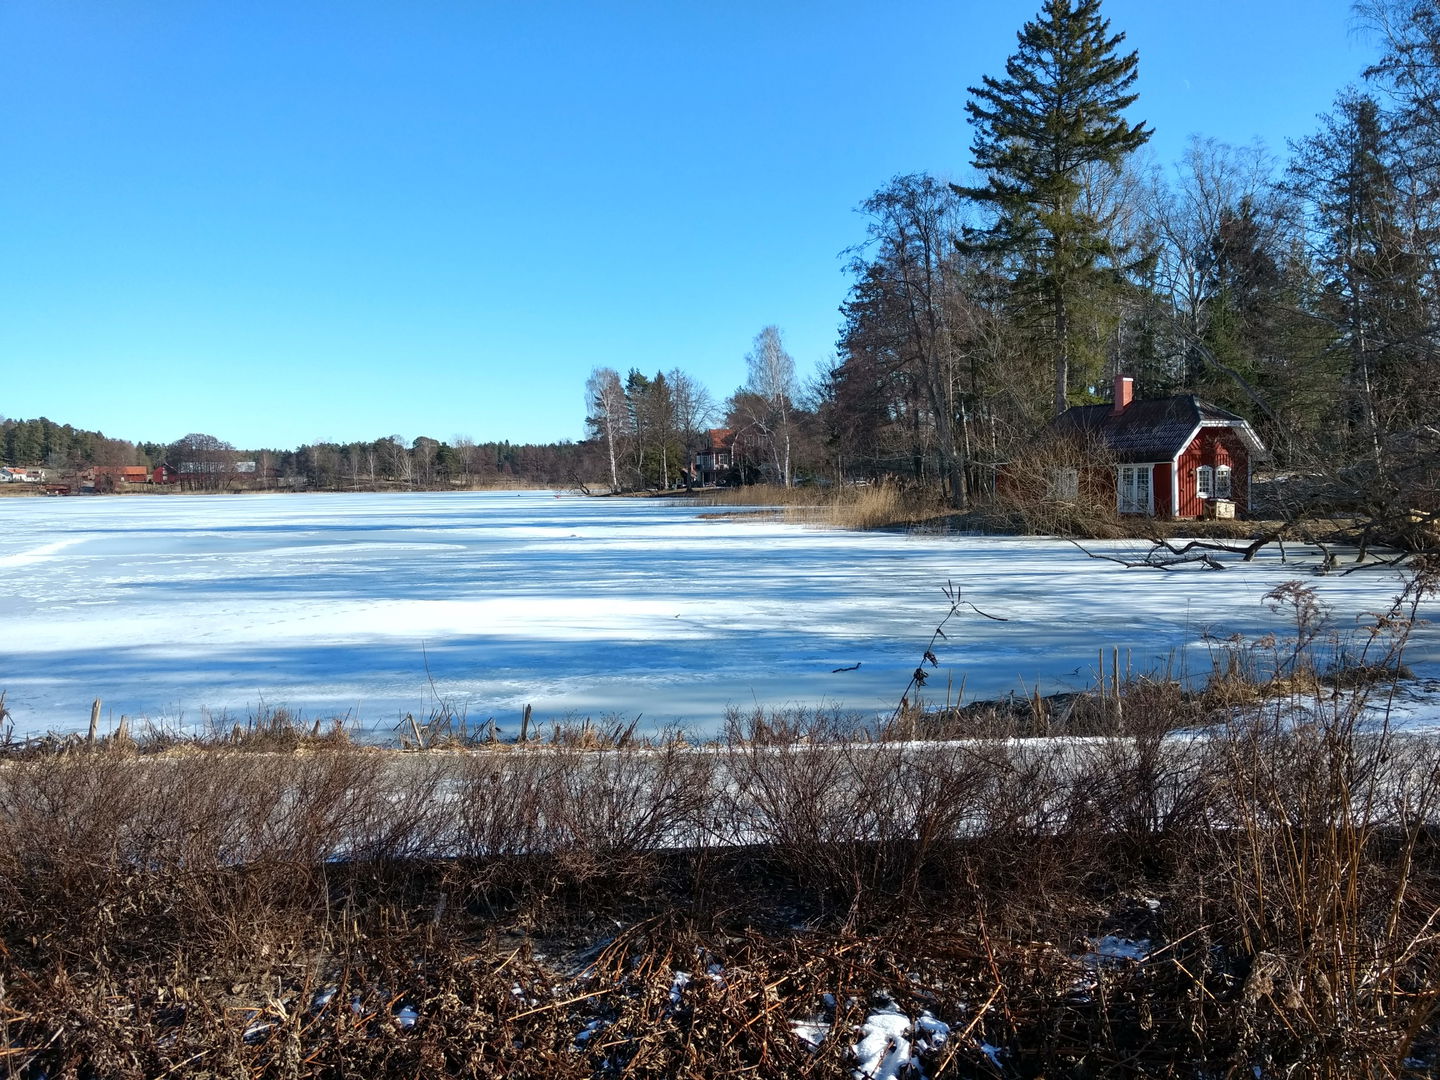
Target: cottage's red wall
(1160,485)
(1213,446)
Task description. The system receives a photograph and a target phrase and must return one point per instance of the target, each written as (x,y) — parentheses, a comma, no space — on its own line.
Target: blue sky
(278,222)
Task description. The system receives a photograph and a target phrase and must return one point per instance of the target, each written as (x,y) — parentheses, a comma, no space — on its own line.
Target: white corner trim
(1175,484)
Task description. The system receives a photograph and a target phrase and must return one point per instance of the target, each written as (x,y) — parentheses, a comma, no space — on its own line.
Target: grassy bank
(1260,901)
(892,506)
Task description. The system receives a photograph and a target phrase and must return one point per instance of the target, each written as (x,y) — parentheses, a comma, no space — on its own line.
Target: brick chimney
(1124,392)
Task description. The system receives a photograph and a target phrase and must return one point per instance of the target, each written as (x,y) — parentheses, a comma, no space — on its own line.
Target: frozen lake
(372,606)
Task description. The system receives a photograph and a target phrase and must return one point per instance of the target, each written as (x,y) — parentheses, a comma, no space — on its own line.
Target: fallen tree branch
(1151,561)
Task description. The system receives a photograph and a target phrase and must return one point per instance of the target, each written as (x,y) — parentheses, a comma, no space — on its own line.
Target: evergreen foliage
(1040,131)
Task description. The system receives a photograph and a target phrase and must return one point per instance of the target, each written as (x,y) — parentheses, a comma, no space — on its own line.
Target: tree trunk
(1062,356)
(610,445)
(950,464)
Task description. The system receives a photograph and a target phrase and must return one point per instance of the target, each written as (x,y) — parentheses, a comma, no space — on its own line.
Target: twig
(919,675)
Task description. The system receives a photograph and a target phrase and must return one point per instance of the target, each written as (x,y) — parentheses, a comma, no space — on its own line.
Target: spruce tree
(1371,267)
(1056,115)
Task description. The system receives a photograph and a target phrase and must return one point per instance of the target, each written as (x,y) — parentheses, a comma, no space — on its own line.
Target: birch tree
(606,415)
(772,381)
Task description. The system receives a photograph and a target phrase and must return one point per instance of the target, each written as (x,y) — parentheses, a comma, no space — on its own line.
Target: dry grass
(286,914)
(276,914)
(853,506)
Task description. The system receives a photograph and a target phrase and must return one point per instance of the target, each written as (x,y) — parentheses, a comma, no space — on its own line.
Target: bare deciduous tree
(606,414)
(772,381)
(694,409)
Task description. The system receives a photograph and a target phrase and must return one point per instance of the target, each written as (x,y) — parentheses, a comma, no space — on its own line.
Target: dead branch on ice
(1155,560)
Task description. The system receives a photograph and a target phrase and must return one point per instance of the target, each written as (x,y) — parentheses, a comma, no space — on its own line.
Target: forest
(1300,293)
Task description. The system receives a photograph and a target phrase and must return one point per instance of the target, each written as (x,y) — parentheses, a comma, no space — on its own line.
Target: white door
(1134,490)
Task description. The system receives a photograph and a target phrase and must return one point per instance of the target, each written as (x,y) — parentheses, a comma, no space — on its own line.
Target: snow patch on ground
(890,1043)
(1112,948)
(884,1045)
(813,1032)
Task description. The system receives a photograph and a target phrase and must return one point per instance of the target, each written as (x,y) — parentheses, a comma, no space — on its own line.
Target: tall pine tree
(1372,268)
(1056,115)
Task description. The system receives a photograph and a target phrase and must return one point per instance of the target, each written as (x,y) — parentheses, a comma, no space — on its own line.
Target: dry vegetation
(346,911)
(851,506)
(275,901)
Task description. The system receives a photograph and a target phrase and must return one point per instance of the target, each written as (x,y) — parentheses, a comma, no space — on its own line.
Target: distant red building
(716,458)
(122,474)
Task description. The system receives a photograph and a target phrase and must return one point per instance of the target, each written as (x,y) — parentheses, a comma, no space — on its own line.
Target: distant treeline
(44,442)
(1302,293)
(429,463)
(387,462)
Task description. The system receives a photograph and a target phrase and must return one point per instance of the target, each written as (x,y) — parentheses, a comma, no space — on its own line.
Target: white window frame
(1223,482)
(1205,482)
(1132,496)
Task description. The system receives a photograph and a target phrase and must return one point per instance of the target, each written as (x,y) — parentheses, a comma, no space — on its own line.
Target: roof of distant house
(1156,429)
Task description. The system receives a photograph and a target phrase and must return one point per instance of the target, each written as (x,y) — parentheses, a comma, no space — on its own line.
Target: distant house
(1175,457)
(164,474)
(21,474)
(716,458)
(120,474)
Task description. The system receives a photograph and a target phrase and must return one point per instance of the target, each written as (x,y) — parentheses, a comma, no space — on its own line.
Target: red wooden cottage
(1176,457)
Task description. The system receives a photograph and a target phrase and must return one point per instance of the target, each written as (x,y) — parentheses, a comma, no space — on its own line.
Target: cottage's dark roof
(1151,430)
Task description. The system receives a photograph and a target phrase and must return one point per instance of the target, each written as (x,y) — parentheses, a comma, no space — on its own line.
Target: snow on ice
(180,608)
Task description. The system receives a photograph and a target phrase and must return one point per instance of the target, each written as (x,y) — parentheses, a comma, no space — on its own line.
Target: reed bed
(880,505)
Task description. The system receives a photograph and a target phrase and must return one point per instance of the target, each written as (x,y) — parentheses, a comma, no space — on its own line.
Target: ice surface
(178,607)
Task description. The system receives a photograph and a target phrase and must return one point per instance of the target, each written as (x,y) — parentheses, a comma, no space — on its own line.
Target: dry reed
(880,505)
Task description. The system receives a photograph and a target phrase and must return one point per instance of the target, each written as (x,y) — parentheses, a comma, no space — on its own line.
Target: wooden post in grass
(1115,677)
(122,733)
(419,740)
(525,724)
(94,721)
